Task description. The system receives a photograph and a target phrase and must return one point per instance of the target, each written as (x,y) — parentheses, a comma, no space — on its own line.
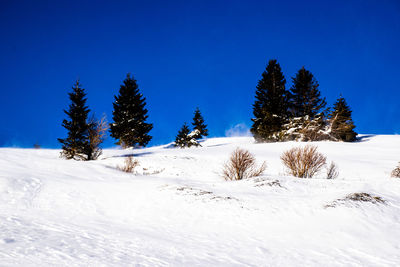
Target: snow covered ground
(178,211)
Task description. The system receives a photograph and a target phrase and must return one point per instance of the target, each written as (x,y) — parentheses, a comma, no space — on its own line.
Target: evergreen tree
(200,129)
(129,115)
(183,139)
(305,96)
(271,106)
(76,145)
(341,122)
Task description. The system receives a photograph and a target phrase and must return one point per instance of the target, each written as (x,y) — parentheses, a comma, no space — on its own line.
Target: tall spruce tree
(184,138)
(341,122)
(76,145)
(199,128)
(129,115)
(305,99)
(271,105)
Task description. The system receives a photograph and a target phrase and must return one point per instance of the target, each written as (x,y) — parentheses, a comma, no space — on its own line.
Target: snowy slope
(178,211)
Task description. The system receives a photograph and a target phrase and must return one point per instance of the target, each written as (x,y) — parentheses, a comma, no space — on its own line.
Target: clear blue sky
(192,53)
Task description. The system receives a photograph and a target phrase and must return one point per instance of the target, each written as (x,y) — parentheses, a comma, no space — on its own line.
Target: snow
(176,210)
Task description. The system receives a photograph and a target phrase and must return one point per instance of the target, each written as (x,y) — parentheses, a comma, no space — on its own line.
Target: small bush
(129,165)
(332,171)
(242,165)
(303,162)
(396,172)
(97,131)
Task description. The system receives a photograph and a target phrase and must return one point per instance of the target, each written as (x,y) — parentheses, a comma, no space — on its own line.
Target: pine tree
(271,106)
(185,138)
(76,145)
(199,128)
(341,122)
(305,96)
(182,139)
(129,115)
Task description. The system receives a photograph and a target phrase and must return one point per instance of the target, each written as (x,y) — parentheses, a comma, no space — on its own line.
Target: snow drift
(177,210)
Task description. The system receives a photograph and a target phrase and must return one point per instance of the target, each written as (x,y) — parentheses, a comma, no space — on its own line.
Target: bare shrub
(396,172)
(129,164)
(242,165)
(332,172)
(303,162)
(96,133)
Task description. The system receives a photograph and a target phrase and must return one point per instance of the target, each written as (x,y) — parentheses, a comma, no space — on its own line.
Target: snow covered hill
(178,211)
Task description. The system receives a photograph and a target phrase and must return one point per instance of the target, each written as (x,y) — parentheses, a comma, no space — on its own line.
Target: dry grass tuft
(332,172)
(129,164)
(356,198)
(364,197)
(303,162)
(242,165)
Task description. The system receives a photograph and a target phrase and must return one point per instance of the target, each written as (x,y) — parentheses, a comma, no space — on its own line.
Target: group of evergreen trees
(280,115)
(187,138)
(298,113)
(85,134)
(129,126)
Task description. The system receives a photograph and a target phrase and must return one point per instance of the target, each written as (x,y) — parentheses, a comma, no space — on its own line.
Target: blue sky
(185,54)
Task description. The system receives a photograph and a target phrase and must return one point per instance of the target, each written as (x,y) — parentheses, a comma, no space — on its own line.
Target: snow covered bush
(396,172)
(303,162)
(129,164)
(332,171)
(242,165)
(306,129)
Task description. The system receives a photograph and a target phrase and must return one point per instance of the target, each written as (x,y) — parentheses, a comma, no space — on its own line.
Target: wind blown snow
(177,210)
(239,130)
